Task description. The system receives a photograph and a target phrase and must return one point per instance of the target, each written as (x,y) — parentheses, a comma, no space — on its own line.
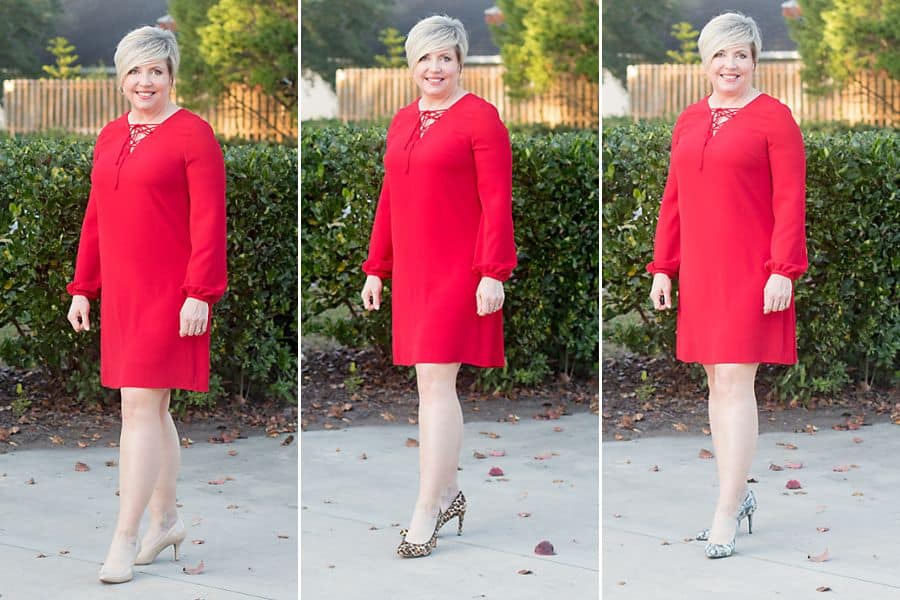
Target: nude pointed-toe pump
(173,537)
(107,575)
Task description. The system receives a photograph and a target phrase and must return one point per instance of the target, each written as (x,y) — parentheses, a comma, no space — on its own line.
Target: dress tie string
(426,119)
(718,117)
(136,132)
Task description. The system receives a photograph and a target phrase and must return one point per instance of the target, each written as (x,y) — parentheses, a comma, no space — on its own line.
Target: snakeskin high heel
(746,509)
(457,508)
(410,550)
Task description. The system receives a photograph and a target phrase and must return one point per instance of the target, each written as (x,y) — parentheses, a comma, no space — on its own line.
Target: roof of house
(766,13)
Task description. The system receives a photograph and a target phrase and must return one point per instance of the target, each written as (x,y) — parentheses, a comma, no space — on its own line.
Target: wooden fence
(666,90)
(366,94)
(84,106)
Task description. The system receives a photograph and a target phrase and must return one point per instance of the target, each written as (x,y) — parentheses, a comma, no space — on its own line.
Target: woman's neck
(717,100)
(426,103)
(136,117)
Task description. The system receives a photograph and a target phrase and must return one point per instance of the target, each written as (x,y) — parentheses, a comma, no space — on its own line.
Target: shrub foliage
(44,185)
(551,322)
(848,319)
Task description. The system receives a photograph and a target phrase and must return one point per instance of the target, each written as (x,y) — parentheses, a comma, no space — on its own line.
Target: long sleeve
(380,261)
(206,277)
(87,281)
(787,161)
(667,243)
(495,249)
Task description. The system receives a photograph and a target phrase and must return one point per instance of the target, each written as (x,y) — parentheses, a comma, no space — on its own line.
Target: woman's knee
(436,379)
(141,405)
(732,379)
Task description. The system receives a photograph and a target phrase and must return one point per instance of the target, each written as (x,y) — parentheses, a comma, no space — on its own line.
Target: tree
(252,42)
(840,40)
(25,26)
(194,80)
(339,33)
(393,42)
(64,52)
(634,32)
(541,40)
(687,53)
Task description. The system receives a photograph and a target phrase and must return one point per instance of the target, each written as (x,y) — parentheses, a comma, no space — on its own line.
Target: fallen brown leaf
(857,440)
(198,542)
(655,468)
(412,443)
(57,440)
(819,557)
(81,467)
(287,441)
(557,429)
(619,437)
(187,442)
(787,446)
(111,463)
(524,514)
(388,416)
(544,548)
(63,552)
(791,465)
(194,570)
(82,444)
(857,494)
(363,456)
(495,472)
(823,529)
(232,453)
(823,588)
(544,456)
(216,482)
(704,453)
(841,468)
(490,434)
(479,455)
(682,427)
(498,452)
(793,484)
(524,571)
(774,467)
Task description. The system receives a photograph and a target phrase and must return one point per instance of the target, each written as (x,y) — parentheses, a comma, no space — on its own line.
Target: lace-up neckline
(427,118)
(137,132)
(720,116)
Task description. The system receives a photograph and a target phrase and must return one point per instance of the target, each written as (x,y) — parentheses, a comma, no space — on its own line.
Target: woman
(153,246)
(731,227)
(443,232)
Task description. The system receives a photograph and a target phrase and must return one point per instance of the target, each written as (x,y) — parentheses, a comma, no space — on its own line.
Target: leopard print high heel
(457,508)
(410,550)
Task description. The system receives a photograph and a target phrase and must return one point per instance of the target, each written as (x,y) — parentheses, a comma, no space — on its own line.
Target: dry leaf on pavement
(704,453)
(495,472)
(544,548)
(81,467)
(412,443)
(194,570)
(793,484)
(819,557)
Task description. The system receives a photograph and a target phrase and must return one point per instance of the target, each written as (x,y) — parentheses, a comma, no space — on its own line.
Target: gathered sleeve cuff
(495,249)
(787,163)
(380,261)
(206,277)
(87,280)
(667,242)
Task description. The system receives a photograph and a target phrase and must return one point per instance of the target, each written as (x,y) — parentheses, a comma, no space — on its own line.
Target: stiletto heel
(746,509)
(173,537)
(457,508)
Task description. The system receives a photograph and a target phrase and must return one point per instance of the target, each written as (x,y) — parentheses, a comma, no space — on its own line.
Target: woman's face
(437,73)
(731,71)
(147,87)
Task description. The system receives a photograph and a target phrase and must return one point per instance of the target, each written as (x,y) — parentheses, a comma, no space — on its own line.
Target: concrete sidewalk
(353,508)
(69,516)
(647,515)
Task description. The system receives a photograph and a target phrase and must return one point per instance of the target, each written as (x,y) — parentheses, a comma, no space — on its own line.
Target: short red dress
(153,234)
(444,220)
(732,213)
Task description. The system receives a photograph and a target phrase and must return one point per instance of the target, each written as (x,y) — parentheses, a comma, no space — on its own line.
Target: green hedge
(551,300)
(44,185)
(847,310)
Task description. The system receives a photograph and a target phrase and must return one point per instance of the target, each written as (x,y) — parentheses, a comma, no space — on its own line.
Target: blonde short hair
(434,33)
(727,30)
(145,45)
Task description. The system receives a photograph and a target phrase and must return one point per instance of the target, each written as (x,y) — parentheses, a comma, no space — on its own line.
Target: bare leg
(139,463)
(734,424)
(440,429)
(163,513)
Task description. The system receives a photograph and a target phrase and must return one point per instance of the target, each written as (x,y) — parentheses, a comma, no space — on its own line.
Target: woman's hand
(661,291)
(79,311)
(193,317)
(489,296)
(777,293)
(371,292)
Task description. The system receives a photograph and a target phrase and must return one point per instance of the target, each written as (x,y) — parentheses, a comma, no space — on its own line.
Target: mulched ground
(343,387)
(644,396)
(56,420)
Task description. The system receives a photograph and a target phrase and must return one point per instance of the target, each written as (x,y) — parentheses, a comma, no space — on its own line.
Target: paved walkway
(68,517)
(647,515)
(353,508)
